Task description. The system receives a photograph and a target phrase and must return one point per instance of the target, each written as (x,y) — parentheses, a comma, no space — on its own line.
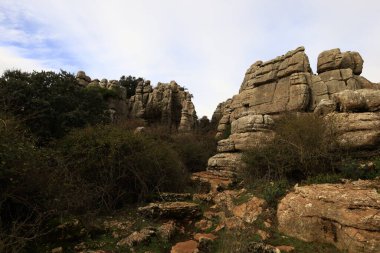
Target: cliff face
(167,104)
(287,83)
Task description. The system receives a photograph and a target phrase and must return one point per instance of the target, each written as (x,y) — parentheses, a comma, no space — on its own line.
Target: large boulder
(358,100)
(357,130)
(335,59)
(346,215)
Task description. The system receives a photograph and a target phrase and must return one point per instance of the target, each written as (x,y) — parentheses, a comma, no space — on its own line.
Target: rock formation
(346,215)
(168,104)
(287,83)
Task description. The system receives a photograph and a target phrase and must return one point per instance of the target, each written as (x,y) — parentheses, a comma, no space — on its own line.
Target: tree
(50,104)
(130,83)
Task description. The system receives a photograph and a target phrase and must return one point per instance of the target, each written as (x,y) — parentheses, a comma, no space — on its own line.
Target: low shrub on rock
(304,145)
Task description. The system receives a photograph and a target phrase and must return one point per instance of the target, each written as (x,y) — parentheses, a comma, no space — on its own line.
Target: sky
(204,45)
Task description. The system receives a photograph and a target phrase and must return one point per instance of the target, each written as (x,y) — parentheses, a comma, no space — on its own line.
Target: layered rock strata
(287,83)
(346,215)
(168,104)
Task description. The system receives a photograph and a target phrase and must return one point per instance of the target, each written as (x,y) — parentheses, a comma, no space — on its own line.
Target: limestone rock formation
(334,59)
(358,130)
(287,83)
(168,104)
(346,215)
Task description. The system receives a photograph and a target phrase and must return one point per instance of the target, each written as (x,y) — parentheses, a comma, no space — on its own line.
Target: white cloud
(10,60)
(203,45)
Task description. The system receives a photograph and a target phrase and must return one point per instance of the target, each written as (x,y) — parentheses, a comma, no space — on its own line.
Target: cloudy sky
(205,45)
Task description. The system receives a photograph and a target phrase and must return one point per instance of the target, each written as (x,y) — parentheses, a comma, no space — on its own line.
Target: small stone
(166,230)
(185,247)
(57,250)
(263,234)
(137,238)
(203,224)
(250,210)
(234,223)
(198,237)
(262,248)
(285,248)
(267,224)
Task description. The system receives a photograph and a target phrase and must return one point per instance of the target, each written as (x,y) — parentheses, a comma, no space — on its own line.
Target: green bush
(304,145)
(23,207)
(107,166)
(355,170)
(51,104)
(194,150)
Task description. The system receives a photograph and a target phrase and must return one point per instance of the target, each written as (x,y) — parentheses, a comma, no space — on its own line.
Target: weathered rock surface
(287,83)
(250,210)
(214,179)
(262,248)
(167,230)
(335,59)
(363,100)
(137,237)
(190,246)
(170,210)
(346,215)
(168,104)
(357,130)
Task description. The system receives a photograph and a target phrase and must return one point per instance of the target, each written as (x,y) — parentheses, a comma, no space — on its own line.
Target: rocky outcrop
(346,215)
(168,104)
(287,83)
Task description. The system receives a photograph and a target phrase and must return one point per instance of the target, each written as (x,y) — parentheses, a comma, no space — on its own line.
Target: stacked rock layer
(287,83)
(167,103)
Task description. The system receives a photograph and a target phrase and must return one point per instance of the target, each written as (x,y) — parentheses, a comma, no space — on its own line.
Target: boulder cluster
(287,84)
(167,103)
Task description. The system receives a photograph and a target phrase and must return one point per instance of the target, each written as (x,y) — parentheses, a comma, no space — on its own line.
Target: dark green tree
(50,104)
(130,83)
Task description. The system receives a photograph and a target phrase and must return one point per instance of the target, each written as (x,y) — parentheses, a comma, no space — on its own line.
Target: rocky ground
(324,218)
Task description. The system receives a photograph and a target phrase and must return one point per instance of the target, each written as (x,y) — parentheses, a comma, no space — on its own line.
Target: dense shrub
(105,167)
(194,149)
(304,145)
(22,187)
(51,104)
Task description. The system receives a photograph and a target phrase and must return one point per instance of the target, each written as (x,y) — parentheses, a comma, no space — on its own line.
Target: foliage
(194,150)
(130,83)
(107,166)
(270,191)
(355,170)
(22,184)
(302,246)
(303,146)
(50,104)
